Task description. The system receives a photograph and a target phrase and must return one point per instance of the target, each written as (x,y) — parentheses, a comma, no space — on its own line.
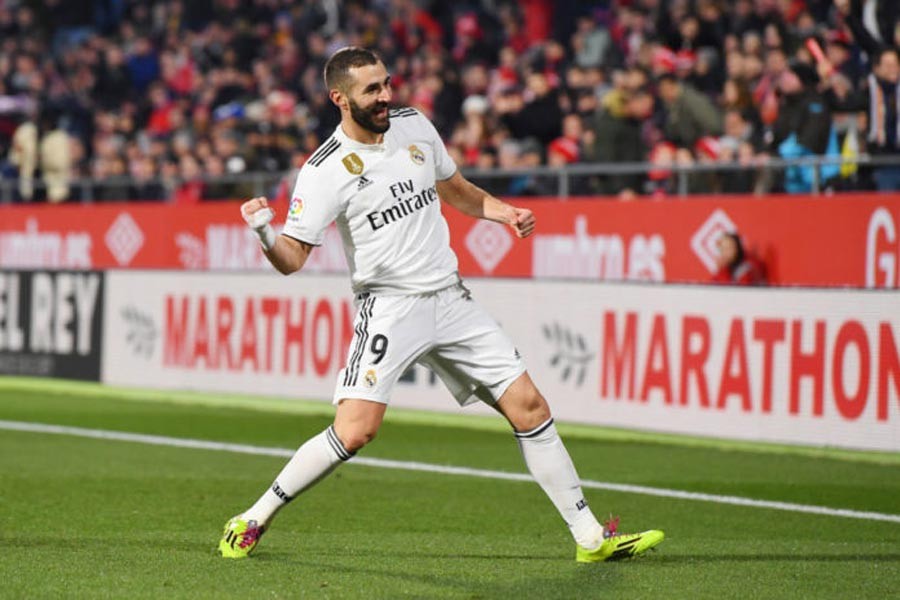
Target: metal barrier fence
(571,180)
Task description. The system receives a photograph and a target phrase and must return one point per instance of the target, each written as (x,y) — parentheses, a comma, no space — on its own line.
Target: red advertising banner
(846,240)
(851,240)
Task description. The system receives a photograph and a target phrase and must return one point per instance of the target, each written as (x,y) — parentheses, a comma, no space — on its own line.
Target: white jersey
(385,203)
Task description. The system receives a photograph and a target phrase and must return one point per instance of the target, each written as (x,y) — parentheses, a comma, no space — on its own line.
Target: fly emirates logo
(406,202)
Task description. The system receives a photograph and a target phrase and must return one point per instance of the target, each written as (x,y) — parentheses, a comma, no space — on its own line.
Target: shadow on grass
(544,575)
(342,557)
(465,556)
(654,557)
(479,584)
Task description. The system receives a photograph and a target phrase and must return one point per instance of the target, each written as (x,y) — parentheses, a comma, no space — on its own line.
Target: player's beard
(365,117)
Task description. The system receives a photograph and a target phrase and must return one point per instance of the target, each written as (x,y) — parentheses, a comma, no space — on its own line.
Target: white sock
(550,465)
(312,462)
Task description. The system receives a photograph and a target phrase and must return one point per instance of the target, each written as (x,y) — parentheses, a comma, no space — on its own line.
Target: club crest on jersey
(353,163)
(371,378)
(295,208)
(416,155)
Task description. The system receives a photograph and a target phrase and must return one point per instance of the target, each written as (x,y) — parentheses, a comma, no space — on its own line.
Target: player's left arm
(468,198)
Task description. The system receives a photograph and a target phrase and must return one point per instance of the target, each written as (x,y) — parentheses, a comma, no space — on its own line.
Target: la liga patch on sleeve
(295,208)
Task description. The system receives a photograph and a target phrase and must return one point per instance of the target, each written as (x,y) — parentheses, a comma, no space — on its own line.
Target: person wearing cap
(562,151)
(472,134)
(475,105)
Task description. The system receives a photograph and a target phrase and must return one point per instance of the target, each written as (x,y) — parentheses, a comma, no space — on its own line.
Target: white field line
(159,440)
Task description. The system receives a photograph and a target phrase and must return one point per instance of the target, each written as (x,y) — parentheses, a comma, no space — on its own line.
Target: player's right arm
(286,254)
(315,204)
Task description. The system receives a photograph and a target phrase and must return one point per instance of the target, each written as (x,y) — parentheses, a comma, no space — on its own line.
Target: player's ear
(338,98)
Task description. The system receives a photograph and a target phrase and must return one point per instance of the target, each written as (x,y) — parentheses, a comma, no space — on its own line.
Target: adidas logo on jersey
(364,183)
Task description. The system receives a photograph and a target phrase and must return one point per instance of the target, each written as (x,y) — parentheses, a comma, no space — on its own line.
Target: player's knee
(535,407)
(357,422)
(356,437)
(530,401)
(524,406)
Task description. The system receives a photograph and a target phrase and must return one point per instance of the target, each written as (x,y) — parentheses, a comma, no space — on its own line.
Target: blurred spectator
(56,162)
(473,133)
(882,102)
(617,130)
(803,127)
(527,183)
(112,173)
(840,56)
(144,183)
(142,64)
(23,155)
(213,171)
(540,116)
(736,97)
(689,114)
(659,179)
(471,41)
(875,23)
(191,187)
(113,79)
(590,43)
(734,265)
(562,151)
(742,144)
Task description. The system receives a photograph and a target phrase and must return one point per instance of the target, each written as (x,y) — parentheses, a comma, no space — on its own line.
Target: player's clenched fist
(256,212)
(258,215)
(523,222)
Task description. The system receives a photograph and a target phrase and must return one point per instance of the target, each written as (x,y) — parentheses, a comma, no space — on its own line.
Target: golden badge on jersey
(371,378)
(416,155)
(353,163)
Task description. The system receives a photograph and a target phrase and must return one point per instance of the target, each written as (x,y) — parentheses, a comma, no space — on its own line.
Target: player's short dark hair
(337,69)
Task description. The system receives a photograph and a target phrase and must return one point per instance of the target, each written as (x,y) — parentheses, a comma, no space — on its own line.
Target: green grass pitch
(96,518)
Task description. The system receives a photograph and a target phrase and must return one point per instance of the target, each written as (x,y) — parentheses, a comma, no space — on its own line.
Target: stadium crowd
(166,98)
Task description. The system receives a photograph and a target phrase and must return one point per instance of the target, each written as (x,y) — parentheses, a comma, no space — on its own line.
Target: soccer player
(381,177)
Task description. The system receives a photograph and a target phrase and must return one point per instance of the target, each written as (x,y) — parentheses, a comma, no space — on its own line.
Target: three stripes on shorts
(351,373)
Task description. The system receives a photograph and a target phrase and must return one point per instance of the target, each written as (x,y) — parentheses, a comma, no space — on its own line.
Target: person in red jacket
(735,266)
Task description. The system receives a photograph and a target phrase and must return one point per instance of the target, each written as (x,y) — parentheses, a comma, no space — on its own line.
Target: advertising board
(818,367)
(852,240)
(50,323)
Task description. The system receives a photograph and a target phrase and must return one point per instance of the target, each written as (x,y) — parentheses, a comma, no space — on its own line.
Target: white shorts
(444,330)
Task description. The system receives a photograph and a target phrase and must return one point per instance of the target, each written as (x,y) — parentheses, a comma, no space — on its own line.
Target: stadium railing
(563,182)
